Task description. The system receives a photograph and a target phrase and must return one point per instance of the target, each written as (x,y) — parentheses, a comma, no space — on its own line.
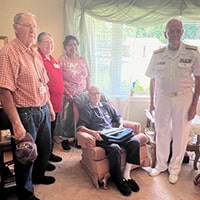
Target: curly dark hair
(68,38)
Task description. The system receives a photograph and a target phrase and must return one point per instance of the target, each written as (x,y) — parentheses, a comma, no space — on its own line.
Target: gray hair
(173,20)
(18,17)
(41,36)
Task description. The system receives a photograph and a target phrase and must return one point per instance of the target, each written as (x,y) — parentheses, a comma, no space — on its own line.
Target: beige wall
(49,15)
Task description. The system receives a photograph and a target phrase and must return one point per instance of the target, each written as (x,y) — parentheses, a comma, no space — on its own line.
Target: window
(122,54)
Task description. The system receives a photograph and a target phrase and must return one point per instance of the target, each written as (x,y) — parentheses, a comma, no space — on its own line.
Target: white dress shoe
(154,172)
(173,178)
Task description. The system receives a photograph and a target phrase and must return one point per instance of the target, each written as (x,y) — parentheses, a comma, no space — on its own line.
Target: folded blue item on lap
(117,135)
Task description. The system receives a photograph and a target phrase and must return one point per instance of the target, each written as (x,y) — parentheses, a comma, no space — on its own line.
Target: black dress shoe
(50,167)
(54,158)
(33,198)
(133,185)
(65,145)
(26,195)
(46,180)
(124,188)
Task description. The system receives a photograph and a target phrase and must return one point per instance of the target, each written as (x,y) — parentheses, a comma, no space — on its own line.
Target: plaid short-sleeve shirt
(23,73)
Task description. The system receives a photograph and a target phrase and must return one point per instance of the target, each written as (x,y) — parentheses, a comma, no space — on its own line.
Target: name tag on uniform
(42,89)
(186,61)
(56,65)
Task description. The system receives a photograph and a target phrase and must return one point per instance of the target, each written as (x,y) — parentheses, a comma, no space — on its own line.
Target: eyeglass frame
(46,42)
(32,27)
(94,94)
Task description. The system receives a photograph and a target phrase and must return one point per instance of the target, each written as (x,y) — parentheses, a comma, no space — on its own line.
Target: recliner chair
(94,160)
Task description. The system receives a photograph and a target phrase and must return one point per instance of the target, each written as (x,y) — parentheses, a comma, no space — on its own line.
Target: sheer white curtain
(80,16)
(77,23)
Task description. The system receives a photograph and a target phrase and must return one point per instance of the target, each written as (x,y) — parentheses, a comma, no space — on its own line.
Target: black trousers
(53,125)
(113,152)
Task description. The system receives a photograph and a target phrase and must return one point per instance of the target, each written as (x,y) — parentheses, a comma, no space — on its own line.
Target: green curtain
(139,12)
(79,15)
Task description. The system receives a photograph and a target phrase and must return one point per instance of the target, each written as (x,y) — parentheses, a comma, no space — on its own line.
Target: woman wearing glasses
(45,45)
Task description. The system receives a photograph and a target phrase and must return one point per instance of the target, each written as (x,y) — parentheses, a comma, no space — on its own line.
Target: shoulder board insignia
(190,47)
(159,50)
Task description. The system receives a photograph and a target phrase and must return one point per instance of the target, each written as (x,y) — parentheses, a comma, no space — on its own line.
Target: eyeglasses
(32,27)
(47,42)
(173,31)
(95,94)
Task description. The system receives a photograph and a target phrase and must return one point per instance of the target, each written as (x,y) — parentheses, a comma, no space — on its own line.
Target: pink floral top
(75,75)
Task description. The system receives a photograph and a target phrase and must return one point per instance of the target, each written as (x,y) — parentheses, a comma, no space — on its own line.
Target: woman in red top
(76,80)
(45,44)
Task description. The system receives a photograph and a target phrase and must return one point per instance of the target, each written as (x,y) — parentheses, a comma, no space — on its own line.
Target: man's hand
(97,135)
(51,111)
(19,132)
(52,116)
(151,108)
(9,107)
(191,112)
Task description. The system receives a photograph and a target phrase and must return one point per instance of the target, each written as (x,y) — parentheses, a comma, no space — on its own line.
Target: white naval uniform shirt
(173,70)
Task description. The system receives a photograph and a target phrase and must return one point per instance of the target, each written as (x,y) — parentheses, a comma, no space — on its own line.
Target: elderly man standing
(173,70)
(24,97)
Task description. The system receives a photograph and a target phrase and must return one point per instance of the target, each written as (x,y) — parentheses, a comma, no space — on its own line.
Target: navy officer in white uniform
(174,73)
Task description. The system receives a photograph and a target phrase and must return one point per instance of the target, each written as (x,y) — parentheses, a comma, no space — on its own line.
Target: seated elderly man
(97,116)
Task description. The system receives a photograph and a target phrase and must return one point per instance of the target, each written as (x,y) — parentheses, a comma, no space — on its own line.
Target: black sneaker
(65,145)
(133,185)
(46,180)
(124,188)
(50,167)
(54,158)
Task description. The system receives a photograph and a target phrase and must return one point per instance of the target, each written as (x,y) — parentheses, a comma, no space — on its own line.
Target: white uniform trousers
(172,125)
